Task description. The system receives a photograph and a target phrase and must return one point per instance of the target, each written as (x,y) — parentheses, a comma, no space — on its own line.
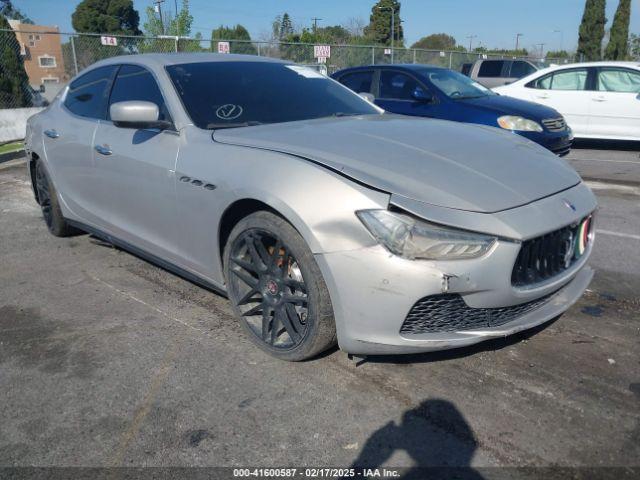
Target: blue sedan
(428,91)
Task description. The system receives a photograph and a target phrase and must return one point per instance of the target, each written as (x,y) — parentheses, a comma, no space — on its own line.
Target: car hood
(505,105)
(460,166)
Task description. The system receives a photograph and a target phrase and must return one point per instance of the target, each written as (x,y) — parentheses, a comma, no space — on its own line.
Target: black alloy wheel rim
(270,290)
(44,195)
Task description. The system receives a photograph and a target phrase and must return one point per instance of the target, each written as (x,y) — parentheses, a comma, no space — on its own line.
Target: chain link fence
(50,59)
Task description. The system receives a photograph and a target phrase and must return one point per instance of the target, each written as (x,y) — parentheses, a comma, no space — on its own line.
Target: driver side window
(137,83)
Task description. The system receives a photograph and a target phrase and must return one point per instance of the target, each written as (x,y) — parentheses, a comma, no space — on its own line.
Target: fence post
(258,49)
(73,52)
(373,55)
(177,46)
(450,59)
(414,55)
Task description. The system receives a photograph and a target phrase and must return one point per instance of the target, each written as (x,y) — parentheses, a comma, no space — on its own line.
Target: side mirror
(367,96)
(137,114)
(42,88)
(422,96)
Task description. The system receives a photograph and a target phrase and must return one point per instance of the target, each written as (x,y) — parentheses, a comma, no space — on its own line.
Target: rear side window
(88,94)
(359,82)
(491,68)
(137,83)
(466,68)
(618,80)
(564,80)
(397,86)
(521,69)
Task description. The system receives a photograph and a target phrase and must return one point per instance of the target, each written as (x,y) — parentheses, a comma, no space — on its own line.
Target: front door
(399,92)
(137,167)
(69,130)
(615,104)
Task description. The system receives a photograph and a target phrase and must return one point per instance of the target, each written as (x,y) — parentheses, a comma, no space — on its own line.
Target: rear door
(397,91)
(567,91)
(69,130)
(615,103)
(137,168)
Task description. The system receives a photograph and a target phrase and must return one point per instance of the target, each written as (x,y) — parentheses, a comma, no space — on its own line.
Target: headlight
(412,238)
(520,124)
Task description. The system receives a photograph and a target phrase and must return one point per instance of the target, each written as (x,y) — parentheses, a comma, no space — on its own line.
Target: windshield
(455,85)
(238,94)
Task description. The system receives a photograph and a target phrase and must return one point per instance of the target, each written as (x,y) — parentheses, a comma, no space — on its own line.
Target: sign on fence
(387,51)
(322,51)
(110,41)
(223,47)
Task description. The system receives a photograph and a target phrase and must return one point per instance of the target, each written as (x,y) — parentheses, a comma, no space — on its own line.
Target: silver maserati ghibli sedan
(323,219)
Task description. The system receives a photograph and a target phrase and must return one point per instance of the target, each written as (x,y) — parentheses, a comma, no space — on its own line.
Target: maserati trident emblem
(568,204)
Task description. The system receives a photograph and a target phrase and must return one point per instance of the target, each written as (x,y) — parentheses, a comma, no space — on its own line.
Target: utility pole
(541,45)
(158,4)
(471,37)
(393,28)
(518,35)
(561,37)
(315,21)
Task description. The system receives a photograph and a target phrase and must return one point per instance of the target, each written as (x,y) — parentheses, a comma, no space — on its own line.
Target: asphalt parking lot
(106,360)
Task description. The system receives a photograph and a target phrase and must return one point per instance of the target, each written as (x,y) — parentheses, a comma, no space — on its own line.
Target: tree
(379,28)
(236,33)
(286,27)
(106,16)
(618,47)
(14,82)
(592,30)
(558,54)
(7,10)
(178,25)
(436,41)
(634,46)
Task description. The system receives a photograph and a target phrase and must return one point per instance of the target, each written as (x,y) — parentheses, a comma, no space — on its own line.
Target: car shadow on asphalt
(593,144)
(434,434)
(491,345)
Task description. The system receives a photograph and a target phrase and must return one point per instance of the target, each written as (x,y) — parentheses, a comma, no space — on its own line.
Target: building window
(47,61)
(37,37)
(32,43)
(46,80)
(30,37)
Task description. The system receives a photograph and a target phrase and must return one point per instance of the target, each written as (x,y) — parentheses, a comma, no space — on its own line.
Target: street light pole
(471,37)
(518,35)
(561,38)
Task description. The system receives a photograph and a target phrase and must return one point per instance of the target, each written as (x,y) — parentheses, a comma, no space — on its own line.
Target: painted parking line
(618,234)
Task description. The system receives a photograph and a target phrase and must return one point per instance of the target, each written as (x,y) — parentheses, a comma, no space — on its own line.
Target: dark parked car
(428,91)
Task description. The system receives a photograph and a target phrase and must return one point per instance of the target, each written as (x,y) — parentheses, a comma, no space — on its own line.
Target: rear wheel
(277,289)
(48,200)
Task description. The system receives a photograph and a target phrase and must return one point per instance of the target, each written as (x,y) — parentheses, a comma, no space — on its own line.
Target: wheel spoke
(248,279)
(266,319)
(275,327)
(273,263)
(247,297)
(288,325)
(253,311)
(295,299)
(257,260)
(244,264)
(295,284)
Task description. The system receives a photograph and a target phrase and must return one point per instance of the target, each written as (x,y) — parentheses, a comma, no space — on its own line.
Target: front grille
(448,312)
(544,257)
(555,124)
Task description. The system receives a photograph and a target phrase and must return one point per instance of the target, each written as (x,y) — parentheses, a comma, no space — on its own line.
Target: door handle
(103,149)
(51,133)
(599,99)
(544,97)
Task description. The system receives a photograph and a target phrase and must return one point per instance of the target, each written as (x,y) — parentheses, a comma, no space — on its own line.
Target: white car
(597,99)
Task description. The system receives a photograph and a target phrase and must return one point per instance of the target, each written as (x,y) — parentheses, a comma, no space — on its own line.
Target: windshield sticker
(229,111)
(305,71)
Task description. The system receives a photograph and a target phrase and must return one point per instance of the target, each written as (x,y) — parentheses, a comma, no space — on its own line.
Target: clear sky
(495,22)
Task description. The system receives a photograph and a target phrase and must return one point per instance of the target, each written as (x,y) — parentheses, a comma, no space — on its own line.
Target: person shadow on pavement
(436,437)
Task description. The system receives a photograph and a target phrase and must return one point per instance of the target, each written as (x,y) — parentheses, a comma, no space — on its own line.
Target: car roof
(164,59)
(398,66)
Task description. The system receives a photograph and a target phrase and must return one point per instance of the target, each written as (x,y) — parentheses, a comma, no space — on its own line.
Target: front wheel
(48,200)
(277,289)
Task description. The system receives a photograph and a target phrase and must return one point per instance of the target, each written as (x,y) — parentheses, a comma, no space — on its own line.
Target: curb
(622,183)
(6,157)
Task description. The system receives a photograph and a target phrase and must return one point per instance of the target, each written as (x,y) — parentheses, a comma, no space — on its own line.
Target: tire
(276,288)
(50,206)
